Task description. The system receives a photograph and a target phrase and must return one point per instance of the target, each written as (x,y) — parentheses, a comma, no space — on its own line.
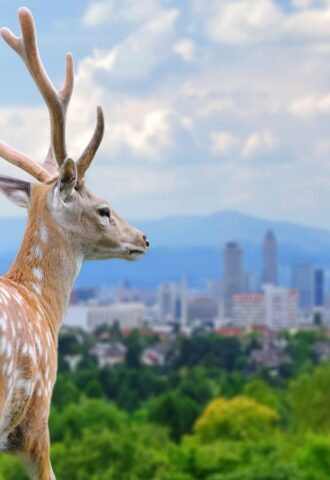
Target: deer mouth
(133,252)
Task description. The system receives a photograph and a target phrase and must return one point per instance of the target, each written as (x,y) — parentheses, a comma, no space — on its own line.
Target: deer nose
(145,238)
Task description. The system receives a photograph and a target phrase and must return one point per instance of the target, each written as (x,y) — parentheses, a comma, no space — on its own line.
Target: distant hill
(192,245)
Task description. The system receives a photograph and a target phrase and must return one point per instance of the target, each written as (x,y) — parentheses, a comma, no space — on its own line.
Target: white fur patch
(43,232)
(37,288)
(37,251)
(3,322)
(27,385)
(38,273)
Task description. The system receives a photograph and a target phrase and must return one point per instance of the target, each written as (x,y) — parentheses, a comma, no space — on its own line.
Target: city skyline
(231,300)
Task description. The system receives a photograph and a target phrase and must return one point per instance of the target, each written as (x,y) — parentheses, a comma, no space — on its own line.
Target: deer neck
(46,265)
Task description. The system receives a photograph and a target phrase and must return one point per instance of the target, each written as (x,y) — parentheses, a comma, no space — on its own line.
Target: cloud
(138,54)
(227,143)
(223,143)
(185,48)
(243,22)
(18,128)
(114,11)
(258,143)
(146,136)
(309,106)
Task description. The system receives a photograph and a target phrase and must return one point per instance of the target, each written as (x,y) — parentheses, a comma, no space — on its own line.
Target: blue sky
(209,104)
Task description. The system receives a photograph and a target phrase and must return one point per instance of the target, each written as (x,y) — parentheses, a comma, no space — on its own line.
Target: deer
(66,225)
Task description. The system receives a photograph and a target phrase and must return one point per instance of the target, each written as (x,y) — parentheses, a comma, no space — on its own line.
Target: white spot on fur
(43,232)
(38,273)
(37,288)
(3,299)
(49,338)
(37,251)
(10,367)
(32,354)
(19,299)
(38,343)
(3,322)
(5,293)
(9,350)
(27,385)
(3,345)
(13,329)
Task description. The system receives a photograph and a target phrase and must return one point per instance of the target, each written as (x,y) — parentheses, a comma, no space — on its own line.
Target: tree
(314,457)
(260,391)
(175,411)
(134,346)
(209,351)
(238,418)
(309,400)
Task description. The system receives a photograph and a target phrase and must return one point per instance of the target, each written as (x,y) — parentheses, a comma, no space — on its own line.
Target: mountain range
(192,246)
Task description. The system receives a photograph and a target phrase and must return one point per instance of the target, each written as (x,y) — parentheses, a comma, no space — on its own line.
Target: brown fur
(35,316)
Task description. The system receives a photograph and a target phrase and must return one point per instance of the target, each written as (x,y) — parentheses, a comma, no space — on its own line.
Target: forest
(204,415)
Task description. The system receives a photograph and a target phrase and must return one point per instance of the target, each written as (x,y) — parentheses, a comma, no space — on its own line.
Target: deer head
(92,227)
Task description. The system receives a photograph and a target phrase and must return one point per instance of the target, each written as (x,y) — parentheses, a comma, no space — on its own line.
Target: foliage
(309,397)
(238,418)
(175,411)
(202,416)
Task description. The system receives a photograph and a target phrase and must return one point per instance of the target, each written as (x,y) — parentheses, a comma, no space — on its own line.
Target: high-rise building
(269,257)
(303,282)
(172,302)
(319,288)
(233,275)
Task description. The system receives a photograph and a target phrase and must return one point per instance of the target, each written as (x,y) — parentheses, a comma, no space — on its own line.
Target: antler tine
(25,163)
(57,101)
(88,154)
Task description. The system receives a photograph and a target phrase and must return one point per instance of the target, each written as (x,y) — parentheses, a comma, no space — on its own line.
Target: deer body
(66,224)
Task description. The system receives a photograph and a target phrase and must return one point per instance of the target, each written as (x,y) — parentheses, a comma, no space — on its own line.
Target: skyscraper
(303,281)
(319,288)
(269,257)
(233,275)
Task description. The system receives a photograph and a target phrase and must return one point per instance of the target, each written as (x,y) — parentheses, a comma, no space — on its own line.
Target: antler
(88,154)
(57,102)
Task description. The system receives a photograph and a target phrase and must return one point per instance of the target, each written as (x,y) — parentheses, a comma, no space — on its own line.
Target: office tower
(319,288)
(172,302)
(269,258)
(303,281)
(183,301)
(233,275)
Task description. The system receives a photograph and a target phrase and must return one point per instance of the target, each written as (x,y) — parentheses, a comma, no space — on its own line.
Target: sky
(209,104)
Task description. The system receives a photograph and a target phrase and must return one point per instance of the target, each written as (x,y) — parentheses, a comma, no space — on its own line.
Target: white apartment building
(277,308)
(281,306)
(128,315)
(248,309)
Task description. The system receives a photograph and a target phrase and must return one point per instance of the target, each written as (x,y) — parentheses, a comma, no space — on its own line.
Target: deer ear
(17,191)
(67,179)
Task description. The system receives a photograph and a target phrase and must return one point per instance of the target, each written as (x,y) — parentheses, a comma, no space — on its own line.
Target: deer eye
(104,212)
